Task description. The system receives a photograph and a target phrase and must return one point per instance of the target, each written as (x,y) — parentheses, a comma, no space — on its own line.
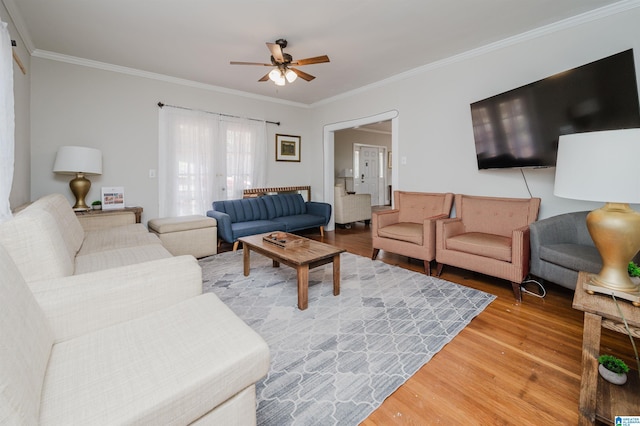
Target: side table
(598,398)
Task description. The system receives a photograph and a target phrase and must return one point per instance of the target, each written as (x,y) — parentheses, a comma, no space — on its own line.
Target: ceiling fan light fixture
(290,76)
(275,75)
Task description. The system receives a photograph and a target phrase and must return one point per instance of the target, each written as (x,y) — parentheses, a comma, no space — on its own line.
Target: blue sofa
(268,213)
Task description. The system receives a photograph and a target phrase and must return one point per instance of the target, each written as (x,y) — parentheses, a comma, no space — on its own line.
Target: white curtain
(7,121)
(246,154)
(204,157)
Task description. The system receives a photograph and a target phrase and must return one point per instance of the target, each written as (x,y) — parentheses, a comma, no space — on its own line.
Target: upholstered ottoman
(195,235)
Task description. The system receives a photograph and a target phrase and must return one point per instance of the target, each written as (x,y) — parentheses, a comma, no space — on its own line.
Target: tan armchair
(351,208)
(409,229)
(488,235)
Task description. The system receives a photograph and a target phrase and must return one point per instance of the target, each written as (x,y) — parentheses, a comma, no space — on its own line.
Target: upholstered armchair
(351,208)
(409,229)
(488,235)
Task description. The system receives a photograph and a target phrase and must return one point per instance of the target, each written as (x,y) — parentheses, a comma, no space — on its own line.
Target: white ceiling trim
(574,21)
(155,76)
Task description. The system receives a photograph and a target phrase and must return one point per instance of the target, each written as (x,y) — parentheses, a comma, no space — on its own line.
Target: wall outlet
(152,173)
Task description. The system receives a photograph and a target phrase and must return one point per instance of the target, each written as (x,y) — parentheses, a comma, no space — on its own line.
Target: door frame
(329,152)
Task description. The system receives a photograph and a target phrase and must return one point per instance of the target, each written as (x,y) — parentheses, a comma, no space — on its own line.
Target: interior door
(366,175)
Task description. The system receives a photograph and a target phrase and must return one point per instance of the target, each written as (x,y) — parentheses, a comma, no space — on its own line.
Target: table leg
(246,259)
(303,286)
(589,383)
(336,274)
(275,263)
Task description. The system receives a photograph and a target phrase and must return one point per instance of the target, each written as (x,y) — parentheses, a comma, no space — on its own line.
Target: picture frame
(287,148)
(112,197)
(389,160)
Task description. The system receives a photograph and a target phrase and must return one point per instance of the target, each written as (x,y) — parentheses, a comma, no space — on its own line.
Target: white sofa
(131,344)
(351,208)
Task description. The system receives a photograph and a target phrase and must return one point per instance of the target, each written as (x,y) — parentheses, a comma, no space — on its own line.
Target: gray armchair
(561,246)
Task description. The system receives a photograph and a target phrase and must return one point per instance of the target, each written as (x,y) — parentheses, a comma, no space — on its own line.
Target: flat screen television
(521,127)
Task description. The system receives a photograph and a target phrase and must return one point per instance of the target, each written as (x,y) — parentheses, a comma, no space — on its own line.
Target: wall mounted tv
(521,127)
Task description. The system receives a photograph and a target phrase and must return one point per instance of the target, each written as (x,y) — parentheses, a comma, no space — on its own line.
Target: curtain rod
(160,104)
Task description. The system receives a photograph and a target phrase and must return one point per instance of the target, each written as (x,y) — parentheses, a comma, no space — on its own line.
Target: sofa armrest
(80,304)
(520,249)
(224,225)
(384,218)
(447,228)
(429,226)
(319,209)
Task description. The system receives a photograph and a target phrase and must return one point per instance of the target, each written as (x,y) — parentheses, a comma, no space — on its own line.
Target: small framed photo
(287,148)
(112,197)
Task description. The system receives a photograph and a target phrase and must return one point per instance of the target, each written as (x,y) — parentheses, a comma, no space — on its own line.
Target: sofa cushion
(102,240)
(122,256)
(416,207)
(572,256)
(58,207)
(405,231)
(284,205)
(493,215)
(36,245)
(300,221)
(128,374)
(481,244)
(24,350)
(243,229)
(244,210)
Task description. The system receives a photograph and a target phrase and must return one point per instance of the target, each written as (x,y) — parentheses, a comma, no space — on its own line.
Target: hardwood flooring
(514,364)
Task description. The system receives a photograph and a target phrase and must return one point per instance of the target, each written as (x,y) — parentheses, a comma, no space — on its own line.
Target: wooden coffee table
(308,255)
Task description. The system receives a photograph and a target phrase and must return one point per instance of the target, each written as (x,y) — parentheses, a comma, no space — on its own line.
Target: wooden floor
(515,363)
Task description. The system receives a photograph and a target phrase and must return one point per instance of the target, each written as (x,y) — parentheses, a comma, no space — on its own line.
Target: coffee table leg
(336,275)
(246,259)
(303,286)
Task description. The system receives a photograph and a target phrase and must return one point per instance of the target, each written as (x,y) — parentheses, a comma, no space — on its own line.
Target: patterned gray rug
(337,361)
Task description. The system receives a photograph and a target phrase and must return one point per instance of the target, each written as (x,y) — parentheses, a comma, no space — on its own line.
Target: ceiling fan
(282,63)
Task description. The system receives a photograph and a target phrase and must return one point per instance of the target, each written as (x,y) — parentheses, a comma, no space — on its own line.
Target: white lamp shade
(291,76)
(78,159)
(345,173)
(599,166)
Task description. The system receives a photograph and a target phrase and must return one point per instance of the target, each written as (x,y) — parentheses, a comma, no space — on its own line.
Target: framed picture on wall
(287,148)
(112,197)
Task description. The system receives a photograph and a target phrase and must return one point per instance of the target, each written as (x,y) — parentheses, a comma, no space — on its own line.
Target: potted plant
(96,205)
(613,369)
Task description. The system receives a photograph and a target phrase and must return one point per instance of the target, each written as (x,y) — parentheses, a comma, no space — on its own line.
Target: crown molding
(564,24)
(155,76)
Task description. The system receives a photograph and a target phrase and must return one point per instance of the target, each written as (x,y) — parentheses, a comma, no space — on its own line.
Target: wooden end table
(302,258)
(598,398)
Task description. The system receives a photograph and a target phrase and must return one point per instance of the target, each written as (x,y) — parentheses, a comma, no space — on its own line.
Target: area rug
(336,362)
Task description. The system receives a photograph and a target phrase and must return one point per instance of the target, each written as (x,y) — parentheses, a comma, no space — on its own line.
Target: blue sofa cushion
(243,229)
(244,210)
(284,205)
(300,221)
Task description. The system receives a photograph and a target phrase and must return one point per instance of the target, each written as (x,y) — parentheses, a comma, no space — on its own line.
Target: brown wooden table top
(308,253)
(603,305)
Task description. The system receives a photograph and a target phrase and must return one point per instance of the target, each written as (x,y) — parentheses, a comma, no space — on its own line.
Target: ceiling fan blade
(250,63)
(265,77)
(276,52)
(309,61)
(303,75)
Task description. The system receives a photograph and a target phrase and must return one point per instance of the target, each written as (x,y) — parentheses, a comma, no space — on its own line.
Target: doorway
(369,172)
(329,151)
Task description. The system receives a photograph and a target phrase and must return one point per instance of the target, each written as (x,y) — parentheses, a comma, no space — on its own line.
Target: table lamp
(344,174)
(604,166)
(79,161)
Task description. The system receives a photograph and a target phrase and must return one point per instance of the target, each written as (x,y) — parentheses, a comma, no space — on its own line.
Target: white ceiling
(366,40)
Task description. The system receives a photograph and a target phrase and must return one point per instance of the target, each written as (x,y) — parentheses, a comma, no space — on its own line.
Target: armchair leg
(374,254)
(322,231)
(427,267)
(516,291)
(439,269)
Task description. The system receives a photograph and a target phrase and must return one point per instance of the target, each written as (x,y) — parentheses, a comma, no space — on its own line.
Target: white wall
(118,113)
(435,131)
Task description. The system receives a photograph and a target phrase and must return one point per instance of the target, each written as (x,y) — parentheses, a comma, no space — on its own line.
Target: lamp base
(592,287)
